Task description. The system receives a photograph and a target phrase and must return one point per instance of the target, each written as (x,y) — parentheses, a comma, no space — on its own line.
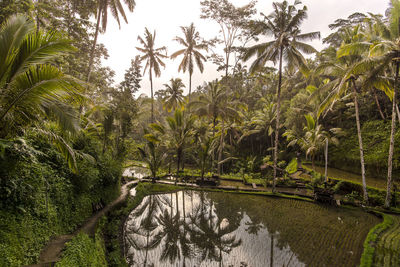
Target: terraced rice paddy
(388,247)
(214,229)
(339,174)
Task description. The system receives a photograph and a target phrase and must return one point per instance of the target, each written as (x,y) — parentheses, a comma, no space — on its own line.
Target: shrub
(84,251)
(292,166)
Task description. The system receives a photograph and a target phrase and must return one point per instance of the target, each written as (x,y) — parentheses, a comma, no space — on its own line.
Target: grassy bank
(41,197)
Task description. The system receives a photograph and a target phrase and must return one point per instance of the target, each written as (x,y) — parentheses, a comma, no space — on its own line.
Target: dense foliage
(66,127)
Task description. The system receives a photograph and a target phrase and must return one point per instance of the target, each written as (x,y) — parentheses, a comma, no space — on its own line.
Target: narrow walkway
(52,251)
(288,191)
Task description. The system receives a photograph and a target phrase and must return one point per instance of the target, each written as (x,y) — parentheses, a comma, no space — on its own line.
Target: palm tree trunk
(221,147)
(313,162)
(278,111)
(96,34)
(326,159)
(360,142)
(391,147)
(152,97)
(378,105)
(190,86)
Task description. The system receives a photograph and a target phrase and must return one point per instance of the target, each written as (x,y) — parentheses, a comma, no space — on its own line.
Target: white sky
(165,16)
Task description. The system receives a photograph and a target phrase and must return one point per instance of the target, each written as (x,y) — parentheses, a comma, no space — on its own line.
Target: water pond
(197,228)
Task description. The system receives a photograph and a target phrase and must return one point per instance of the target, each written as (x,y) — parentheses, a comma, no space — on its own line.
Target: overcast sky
(166,16)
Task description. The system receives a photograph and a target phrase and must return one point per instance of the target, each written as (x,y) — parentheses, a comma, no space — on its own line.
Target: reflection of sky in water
(235,245)
(135,172)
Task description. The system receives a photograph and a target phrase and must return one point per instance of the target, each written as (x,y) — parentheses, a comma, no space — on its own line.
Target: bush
(292,166)
(83,251)
(41,197)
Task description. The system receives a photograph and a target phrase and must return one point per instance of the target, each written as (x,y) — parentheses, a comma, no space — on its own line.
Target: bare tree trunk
(391,147)
(152,97)
(360,142)
(221,147)
(96,34)
(378,105)
(278,111)
(326,159)
(178,162)
(190,87)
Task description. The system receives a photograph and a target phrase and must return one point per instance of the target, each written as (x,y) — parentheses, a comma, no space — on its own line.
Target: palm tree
(215,105)
(284,24)
(205,148)
(313,139)
(384,57)
(343,70)
(153,57)
(152,155)
(31,88)
(116,9)
(191,54)
(261,122)
(178,130)
(173,94)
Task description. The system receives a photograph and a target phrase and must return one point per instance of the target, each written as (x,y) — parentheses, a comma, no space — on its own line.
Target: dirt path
(52,251)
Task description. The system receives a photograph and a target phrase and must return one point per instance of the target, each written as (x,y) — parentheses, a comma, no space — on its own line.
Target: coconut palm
(313,139)
(31,88)
(383,49)
(173,94)
(153,58)
(343,72)
(179,129)
(191,53)
(152,155)
(117,10)
(284,25)
(215,105)
(205,148)
(262,121)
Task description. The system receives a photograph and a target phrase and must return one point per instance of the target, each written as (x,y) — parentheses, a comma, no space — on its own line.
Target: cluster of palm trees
(363,55)
(191,56)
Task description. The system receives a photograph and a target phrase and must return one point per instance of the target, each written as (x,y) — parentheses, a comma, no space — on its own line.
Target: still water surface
(195,228)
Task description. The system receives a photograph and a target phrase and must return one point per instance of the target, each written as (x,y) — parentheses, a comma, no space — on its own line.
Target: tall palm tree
(117,10)
(153,56)
(173,94)
(344,74)
(284,25)
(384,58)
(191,53)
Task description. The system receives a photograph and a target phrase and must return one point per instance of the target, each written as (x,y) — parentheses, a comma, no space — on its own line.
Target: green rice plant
(367,258)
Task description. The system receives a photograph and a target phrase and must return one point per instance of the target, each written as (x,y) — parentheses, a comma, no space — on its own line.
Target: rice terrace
(199,133)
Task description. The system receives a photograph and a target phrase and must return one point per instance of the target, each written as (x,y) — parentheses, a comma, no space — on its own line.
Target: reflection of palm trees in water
(209,235)
(140,236)
(254,226)
(172,234)
(199,232)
